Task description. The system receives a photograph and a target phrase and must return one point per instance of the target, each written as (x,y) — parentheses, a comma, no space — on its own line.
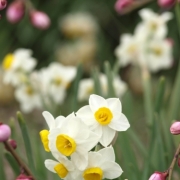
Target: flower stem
(170,170)
(17,158)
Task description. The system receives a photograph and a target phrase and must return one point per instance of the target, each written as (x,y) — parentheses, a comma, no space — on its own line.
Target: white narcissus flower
(153,24)
(28,95)
(129,49)
(158,55)
(56,79)
(104,117)
(102,165)
(52,123)
(86,87)
(17,65)
(63,167)
(73,139)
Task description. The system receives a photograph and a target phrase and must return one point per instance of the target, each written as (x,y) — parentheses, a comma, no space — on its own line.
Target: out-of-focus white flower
(56,79)
(158,55)
(104,117)
(63,167)
(153,24)
(73,139)
(129,49)
(102,165)
(28,96)
(52,123)
(17,65)
(78,24)
(86,87)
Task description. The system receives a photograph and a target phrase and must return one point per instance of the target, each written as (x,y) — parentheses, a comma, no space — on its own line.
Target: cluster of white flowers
(148,47)
(86,87)
(71,140)
(34,88)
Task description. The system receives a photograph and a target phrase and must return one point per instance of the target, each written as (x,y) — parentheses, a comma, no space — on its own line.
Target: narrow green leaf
(109,74)
(97,84)
(2,171)
(12,163)
(27,143)
(160,95)
(147,97)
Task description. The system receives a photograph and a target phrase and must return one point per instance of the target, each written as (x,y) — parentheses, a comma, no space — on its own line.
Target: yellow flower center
(93,174)
(61,170)
(57,81)
(132,49)
(103,115)
(153,26)
(65,144)
(44,138)
(157,51)
(7,61)
(29,91)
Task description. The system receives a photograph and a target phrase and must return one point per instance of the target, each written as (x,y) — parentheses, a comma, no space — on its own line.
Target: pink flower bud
(24,177)
(12,143)
(178,162)
(15,11)
(175,128)
(5,132)
(3,4)
(39,19)
(158,176)
(166,3)
(120,5)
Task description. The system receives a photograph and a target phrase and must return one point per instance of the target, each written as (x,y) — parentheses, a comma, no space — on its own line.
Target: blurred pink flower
(166,3)
(120,5)
(175,128)
(3,4)
(5,132)
(24,177)
(158,176)
(39,19)
(15,11)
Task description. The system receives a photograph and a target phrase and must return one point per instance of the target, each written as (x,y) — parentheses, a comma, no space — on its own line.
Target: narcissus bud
(175,128)
(5,132)
(15,11)
(166,3)
(158,176)
(39,19)
(120,5)
(3,4)
(24,177)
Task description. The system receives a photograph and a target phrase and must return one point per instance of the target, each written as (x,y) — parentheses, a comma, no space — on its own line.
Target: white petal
(96,102)
(107,154)
(49,119)
(120,124)
(111,170)
(50,164)
(86,115)
(93,159)
(59,121)
(90,142)
(107,136)
(80,160)
(114,104)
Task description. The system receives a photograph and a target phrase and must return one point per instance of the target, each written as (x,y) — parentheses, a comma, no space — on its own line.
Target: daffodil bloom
(73,139)
(52,123)
(17,65)
(56,79)
(102,165)
(63,167)
(104,117)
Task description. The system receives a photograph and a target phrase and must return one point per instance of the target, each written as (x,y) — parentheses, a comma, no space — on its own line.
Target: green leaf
(27,143)
(12,163)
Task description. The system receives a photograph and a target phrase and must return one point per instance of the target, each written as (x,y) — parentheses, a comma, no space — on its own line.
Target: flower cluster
(35,89)
(71,140)
(148,47)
